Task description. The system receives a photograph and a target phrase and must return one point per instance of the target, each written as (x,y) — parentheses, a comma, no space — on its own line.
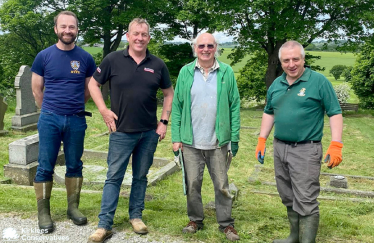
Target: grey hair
(138,21)
(193,45)
(291,44)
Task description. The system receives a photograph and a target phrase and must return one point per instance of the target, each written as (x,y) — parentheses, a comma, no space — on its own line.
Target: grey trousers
(194,164)
(297,169)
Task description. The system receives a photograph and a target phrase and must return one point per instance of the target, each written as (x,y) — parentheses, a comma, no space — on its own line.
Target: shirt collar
(126,52)
(211,69)
(304,77)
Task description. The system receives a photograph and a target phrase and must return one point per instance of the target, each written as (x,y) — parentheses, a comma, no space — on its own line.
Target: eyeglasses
(209,46)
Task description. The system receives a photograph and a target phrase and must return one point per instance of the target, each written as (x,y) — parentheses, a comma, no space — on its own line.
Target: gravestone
(23,160)
(27,114)
(3,108)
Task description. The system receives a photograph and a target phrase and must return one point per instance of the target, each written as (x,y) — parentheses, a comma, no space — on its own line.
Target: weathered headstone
(3,108)
(27,114)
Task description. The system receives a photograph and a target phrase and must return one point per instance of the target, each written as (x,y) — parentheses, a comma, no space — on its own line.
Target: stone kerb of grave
(23,156)
(96,174)
(27,114)
(3,108)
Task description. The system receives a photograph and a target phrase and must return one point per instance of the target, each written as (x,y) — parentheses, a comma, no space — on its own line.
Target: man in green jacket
(205,119)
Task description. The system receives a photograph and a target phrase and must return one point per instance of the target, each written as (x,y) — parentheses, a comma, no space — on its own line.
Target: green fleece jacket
(228,106)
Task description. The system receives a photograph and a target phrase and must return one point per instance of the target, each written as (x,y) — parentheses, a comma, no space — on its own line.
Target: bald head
(206,39)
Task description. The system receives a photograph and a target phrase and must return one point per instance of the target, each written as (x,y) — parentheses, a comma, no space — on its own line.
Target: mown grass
(259,218)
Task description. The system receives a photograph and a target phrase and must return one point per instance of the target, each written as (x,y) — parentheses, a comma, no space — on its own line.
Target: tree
(190,17)
(266,24)
(347,73)
(337,70)
(28,28)
(363,76)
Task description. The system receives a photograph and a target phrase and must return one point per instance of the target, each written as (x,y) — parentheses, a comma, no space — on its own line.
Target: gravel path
(16,229)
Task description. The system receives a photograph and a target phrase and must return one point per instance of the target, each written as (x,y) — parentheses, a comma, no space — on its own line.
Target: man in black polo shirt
(134,77)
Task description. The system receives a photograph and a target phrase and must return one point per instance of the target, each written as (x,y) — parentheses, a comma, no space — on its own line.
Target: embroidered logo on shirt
(75,65)
(301,92)
(149,70)
(98,70)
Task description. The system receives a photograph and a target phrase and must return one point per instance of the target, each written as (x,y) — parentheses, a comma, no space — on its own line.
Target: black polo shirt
(133,88)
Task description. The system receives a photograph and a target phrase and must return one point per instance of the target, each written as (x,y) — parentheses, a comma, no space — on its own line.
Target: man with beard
(59,83)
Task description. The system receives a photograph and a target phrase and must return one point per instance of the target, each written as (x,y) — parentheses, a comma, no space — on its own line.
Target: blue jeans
(142,146)
(52,130)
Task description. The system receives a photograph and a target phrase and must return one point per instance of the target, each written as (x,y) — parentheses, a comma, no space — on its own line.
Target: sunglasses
(209,46)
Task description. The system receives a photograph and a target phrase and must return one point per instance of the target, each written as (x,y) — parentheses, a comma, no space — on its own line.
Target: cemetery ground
(258,211)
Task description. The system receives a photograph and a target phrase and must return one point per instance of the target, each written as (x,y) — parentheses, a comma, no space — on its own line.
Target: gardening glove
(234,148)
(260,149)
(334,154)
(176,158)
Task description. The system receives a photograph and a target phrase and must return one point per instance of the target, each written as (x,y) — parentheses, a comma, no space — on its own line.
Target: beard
(68,41)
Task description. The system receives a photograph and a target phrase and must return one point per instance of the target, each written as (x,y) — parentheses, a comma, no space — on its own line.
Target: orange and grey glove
(334,154)
(260,149)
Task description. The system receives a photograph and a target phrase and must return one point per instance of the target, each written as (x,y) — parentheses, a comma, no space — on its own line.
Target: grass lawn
(259,218)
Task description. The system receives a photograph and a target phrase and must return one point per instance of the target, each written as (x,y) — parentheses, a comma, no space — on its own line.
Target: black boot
(73,189)
(293,218)
(43,195)
(308,228)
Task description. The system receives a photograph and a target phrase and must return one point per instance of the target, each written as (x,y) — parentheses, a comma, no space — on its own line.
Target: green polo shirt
(299,108)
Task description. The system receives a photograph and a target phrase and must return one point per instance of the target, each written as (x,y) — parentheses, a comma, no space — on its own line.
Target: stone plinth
(21,174)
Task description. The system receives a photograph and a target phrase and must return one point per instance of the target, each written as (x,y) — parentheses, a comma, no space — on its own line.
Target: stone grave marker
(3,108)
(27,114)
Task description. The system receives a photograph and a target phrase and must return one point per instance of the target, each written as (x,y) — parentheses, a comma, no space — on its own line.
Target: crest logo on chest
(301,92)
(75,66)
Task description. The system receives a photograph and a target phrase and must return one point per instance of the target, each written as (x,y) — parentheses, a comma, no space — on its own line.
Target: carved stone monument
(3,108)
(27,114)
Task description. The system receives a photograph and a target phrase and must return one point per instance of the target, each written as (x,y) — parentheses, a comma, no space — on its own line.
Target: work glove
(234,148)
(334,154)
(176,158)
(260,149)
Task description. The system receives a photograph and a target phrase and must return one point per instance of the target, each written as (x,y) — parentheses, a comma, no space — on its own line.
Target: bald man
(206,118)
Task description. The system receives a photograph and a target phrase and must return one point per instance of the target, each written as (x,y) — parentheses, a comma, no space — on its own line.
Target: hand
(161,130)
(260,149)
(234,148)
(176,147)
(334,154)
(109,118)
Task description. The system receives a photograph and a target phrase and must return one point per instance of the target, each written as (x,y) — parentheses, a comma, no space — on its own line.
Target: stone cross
(27,115)
(3,108)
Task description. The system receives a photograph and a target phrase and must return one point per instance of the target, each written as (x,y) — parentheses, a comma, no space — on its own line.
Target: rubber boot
(308,228)
(43,195)
(73,189)
(293,218)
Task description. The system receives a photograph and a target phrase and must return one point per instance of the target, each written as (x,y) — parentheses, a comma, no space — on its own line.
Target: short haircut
(194,42)
(291,44)
(65,13)
(138,21)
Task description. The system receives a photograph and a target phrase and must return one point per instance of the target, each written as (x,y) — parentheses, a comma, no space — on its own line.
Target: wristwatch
(165,122)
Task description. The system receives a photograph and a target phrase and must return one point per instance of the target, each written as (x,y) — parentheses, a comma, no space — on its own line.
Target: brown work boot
(191,227)
(138,226)
(100,236)
(230,233)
